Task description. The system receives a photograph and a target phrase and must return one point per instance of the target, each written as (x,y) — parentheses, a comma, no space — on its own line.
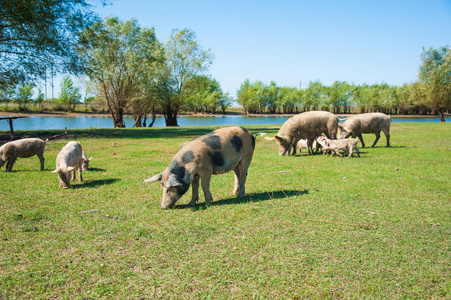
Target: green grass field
(313,227)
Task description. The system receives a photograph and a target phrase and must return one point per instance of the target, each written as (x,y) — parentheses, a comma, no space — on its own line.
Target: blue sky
(293,42)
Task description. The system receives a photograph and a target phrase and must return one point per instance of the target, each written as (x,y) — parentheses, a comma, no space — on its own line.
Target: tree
(24,92)
(69,95)
(123,60)
(185,59)
(225,101)
(246,97)
(435,74)
(272,95)
(313,95)
(288,99)
(339,96)
(36,33)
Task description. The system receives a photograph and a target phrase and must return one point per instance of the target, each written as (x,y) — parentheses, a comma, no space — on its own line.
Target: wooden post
(10,121)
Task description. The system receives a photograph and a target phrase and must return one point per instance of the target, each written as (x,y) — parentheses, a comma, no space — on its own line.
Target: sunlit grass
(309,227)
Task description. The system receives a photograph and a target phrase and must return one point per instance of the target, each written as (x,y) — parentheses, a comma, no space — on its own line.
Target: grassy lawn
(378,226)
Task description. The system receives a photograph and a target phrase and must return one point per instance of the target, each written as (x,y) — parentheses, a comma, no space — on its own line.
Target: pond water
(86,122)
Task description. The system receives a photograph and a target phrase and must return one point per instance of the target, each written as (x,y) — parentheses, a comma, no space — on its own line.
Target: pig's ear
(70,169)
(341,128)
(279,138)
(172,181)
(57,170)
(270,138)
(90,159)
(155,178)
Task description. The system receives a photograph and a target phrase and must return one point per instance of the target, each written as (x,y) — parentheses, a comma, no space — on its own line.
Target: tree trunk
(118,119)
(170,116)
(171,120)
(138,119)
(442,116)
(154,116)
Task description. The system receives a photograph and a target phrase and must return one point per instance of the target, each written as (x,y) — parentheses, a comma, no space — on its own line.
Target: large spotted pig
(366,123)
(218,152)
(306,125)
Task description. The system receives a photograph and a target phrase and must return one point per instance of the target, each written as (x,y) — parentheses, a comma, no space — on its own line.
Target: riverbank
(92,114)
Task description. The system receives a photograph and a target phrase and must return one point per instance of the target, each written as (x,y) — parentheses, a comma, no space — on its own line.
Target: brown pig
(366,123)
(218,152)
(9,152)
(305,126)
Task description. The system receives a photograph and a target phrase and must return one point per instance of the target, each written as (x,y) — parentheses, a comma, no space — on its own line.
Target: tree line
(131,72)
(340,98)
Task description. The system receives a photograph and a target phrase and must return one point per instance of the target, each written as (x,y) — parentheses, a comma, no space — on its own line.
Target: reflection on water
(85,122)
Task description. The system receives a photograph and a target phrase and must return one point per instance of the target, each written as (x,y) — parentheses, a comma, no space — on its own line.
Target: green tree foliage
(289,99)
(435,75)
(123,60)
(69,95)
(24,94)
(204,94)
(252,96)
(272,96)
(339,96)
(185,59)
(39,102)
(314,95)
(36,33)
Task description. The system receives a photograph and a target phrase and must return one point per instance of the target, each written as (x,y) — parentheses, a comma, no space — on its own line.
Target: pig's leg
(10,164)
(378,136)
(237,172)
(205,183)
(240,177)
(195,189)
(387,136)
(361,139)
(244,165)
(293,144)
(80,175)
(350,151)
(42,160)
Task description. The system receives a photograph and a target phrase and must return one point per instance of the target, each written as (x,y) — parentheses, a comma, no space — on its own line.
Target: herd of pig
(220,151)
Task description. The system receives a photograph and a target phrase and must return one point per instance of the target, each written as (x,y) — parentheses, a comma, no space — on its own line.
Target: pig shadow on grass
(249,198)
(95,183)
(95,170)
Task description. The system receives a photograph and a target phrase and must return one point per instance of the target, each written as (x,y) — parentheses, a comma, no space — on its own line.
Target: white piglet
(69,158)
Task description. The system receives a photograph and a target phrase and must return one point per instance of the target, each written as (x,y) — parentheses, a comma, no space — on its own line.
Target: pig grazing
(69,158)
(305,126)
(86,161)
(346,145)
(218,152)
(9,152)
(366,123)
